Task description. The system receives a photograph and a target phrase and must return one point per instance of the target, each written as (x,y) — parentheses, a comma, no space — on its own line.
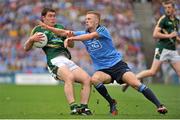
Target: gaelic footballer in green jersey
(54,47)
(60,65)
(166,34)
(166,45)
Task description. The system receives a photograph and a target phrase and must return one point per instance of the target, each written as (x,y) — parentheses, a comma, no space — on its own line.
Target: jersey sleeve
(161,22)
(34,30)
(76,33)
(59,26)
(102,31)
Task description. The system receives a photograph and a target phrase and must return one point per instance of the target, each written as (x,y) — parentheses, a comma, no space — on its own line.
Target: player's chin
(87,26)
(52,23)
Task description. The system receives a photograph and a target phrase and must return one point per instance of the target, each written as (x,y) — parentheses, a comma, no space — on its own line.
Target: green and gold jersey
(55,44)
(167,26)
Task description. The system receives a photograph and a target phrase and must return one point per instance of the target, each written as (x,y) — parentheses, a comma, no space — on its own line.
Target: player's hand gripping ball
(43,42)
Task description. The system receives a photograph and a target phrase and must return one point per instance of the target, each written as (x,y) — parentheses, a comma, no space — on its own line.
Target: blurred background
(130,22)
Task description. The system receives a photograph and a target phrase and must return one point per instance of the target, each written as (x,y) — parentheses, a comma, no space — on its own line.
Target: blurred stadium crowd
(18,17)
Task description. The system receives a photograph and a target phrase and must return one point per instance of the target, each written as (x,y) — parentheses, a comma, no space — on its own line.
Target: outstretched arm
(57,31)
(83,37)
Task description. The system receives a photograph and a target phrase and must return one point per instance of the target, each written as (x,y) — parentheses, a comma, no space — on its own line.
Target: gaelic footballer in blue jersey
(108,62)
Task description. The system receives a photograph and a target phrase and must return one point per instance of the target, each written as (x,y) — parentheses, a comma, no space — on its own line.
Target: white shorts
(166,55)
(61,61)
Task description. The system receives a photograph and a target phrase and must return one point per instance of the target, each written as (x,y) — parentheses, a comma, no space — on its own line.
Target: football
(41,44)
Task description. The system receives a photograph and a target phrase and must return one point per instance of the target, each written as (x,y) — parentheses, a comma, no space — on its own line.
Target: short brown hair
(46,10)
(95,13)
(168,2)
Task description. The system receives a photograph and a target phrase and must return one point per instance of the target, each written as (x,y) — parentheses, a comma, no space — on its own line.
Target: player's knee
(178,73)
(95,79)
(69,79)
(87,81)
(135,85)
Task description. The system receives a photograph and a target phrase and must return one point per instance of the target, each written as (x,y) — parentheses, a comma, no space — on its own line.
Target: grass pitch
(49,102)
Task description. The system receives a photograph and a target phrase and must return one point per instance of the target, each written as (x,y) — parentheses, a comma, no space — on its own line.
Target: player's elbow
(71,44)
(155,36)
(26,48)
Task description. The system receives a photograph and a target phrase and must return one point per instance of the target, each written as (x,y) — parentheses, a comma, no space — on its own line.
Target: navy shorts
(116,72)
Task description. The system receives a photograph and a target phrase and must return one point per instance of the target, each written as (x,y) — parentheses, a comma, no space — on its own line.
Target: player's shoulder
(162,18)
(59,26)
(36,29)
(177,19)
(101,28)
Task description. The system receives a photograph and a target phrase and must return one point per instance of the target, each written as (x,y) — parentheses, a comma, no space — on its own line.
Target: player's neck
(49,24)
(92,29)
(172,17)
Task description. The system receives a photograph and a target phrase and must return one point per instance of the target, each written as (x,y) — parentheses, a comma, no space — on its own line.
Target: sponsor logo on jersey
(94,45)
(56,40)
(170,23)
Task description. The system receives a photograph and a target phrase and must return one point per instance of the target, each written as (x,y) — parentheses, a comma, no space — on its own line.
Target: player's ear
(96,22)
(42,18)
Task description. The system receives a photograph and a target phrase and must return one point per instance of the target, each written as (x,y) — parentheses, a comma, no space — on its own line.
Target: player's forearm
(80,38)
(159,35)
(57,31)
(84,37)
(28,44)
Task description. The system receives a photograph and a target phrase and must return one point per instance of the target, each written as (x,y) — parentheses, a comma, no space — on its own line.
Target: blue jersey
(101,50)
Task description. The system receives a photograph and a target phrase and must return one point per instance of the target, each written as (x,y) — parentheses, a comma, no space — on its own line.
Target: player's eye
(52,16)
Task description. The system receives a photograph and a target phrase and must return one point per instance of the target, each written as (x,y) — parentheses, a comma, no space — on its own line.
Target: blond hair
(95,13)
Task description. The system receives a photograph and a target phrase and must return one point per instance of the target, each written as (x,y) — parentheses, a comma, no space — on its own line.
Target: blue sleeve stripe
(101,29)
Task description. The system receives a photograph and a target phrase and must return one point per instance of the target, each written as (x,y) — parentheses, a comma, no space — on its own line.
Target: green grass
(49,102)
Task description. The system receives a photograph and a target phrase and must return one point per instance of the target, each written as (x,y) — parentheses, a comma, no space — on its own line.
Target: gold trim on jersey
(160,19)
(34,29)
(53,46)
